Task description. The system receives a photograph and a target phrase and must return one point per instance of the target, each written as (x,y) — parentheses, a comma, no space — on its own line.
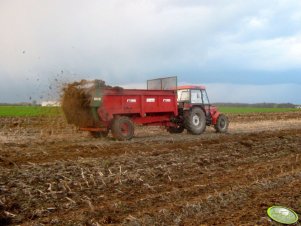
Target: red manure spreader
(163,103)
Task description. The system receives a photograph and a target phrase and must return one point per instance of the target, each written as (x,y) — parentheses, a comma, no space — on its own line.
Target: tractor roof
(191,87)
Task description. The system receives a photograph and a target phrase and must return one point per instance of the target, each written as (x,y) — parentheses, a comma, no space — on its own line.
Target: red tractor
(195,112)
(162,104)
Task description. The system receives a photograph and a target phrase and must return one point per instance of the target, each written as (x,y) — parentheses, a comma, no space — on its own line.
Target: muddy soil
(52,174)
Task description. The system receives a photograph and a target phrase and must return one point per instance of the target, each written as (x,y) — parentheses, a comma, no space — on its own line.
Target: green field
(6,111)
(244,110)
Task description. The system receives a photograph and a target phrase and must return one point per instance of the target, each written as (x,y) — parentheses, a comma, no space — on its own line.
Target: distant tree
(258,105)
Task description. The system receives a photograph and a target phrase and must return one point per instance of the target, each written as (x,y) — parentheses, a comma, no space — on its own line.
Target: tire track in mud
(214,179)
(43,151)
(212,184)
(219,186)
(199,175)
(197,202)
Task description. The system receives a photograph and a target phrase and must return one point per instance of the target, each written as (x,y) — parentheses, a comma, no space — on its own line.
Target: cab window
(196,97)
(183,95)
(205,97)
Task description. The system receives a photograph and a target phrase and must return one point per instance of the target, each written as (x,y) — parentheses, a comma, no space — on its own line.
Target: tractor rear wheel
(123,128)
(195,121)
(98,134)
(178,129)
(222,124)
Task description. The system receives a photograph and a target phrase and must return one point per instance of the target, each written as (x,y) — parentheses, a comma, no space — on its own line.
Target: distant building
(298,106)
(50,103)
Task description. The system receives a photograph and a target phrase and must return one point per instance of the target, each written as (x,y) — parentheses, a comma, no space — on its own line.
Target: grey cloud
(279,93)
(122,41)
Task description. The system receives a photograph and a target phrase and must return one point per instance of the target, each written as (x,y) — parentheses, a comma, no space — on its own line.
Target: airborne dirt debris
(76,101)
(52,174)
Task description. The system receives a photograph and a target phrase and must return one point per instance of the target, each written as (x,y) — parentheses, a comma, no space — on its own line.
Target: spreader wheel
(178,129)
(123,128)
(195,121)
(222,124)
(98,134)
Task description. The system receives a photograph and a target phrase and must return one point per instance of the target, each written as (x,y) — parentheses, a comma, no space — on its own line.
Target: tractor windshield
(183,95)
(205,97)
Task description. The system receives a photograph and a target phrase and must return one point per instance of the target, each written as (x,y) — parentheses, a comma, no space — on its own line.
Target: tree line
(257,105)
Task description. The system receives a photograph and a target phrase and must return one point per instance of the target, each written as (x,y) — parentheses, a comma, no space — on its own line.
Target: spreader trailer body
(162,104)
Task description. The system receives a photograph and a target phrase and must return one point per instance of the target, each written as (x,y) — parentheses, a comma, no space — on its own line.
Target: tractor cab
(193,95)
(190,96)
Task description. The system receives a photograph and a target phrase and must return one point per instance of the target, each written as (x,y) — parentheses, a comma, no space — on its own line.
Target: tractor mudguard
(215,117)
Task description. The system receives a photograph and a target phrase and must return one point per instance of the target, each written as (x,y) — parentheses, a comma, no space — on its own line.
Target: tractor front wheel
(123,128)
(222,124)
(195,121)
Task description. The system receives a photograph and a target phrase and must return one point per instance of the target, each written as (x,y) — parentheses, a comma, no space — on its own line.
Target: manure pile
(76,101)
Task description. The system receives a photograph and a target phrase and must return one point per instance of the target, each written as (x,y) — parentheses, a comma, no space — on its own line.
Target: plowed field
(52,174)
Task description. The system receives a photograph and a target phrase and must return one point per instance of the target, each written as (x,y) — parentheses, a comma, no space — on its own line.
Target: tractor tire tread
(189,125)
(219,127)
(117,130)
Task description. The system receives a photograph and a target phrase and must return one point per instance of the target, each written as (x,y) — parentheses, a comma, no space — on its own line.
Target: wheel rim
(222,123)
(196,120)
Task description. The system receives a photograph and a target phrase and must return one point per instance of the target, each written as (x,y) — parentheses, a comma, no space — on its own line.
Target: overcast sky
(243,50)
